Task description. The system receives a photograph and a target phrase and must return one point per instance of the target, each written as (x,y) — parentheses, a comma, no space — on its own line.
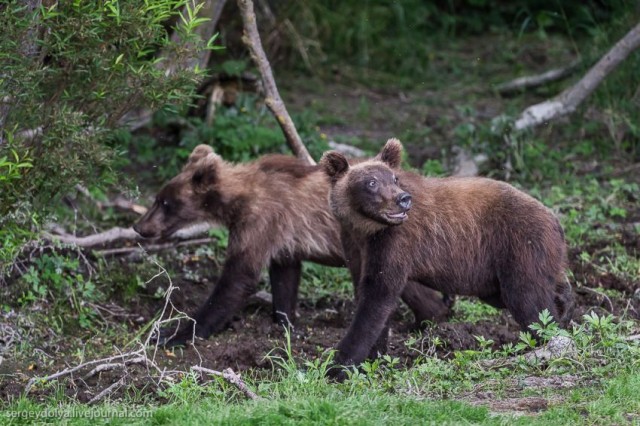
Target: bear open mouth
(397,217)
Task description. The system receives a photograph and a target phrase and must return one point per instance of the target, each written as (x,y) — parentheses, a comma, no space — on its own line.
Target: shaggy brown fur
(467,236)
(277,213)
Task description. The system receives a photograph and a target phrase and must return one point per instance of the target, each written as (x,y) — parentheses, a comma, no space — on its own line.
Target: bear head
(367,196)
(187,198)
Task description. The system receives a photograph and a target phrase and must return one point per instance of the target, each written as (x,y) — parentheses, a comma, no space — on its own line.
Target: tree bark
(568,101)
(251,39)
(211,9)
(531,81)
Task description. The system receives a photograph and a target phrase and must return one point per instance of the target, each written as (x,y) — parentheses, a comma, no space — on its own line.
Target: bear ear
(334,164)
(391,153)
(199,152)
(204,174)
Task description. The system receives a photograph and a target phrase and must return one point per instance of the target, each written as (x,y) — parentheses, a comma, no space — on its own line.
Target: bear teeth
(397,215)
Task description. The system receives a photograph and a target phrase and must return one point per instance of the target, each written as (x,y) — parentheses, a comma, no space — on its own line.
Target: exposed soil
(252,336)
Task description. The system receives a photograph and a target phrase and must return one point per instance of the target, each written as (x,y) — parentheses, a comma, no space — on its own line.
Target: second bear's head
(196,194)
(368,195)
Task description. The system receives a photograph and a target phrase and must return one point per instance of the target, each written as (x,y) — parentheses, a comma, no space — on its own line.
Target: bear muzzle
(404,201)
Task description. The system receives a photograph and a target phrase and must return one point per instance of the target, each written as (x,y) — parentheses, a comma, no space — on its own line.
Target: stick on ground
(568,101)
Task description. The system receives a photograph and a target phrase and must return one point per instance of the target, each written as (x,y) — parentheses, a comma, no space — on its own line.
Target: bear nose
(404,200)
(135,228)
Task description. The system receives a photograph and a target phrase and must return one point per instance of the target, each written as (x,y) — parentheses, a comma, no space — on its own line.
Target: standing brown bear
(467,236)
(277,212)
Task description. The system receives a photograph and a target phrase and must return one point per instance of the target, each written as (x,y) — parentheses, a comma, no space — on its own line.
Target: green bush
(70,73)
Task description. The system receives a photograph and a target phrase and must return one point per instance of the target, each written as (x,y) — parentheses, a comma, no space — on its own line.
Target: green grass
(610,401)
(472,310)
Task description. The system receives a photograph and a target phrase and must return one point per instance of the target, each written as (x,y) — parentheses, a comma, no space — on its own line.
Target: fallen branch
(152,247)
(71,370)
(230,376)
(251,38)
(532,81)
(117,234)
(141,356)
(587,290)
(106,391)
(111,366)
(568,101)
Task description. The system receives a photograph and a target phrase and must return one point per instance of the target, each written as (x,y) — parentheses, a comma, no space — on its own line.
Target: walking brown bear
(277,212)
(467,236)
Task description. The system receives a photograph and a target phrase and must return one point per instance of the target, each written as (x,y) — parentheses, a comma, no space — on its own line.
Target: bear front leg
(285,280)
(379,294)
(238,281)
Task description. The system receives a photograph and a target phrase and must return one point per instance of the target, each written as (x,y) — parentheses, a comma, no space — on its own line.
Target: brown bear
(277,212)
(467,236)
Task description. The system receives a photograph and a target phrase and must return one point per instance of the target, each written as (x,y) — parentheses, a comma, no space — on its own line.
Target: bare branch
(251,39)
(230,376)
(71,370)
(117,233)
(532,81)
(568,101)
(153,247)
(106,392)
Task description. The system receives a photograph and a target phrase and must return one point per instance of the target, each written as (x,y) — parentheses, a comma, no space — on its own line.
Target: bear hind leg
(526,296)
(285,280)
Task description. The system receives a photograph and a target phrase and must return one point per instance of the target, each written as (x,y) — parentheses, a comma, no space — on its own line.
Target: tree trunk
(210,9)
(568,101)
(251,39)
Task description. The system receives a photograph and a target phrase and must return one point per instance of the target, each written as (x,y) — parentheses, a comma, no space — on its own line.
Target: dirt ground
(252,336)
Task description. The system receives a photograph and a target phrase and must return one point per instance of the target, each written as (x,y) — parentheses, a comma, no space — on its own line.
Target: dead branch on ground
(569,100)
(143,356)
(152,247)
(230,376)
(251,38)
(532,81)
(118,234)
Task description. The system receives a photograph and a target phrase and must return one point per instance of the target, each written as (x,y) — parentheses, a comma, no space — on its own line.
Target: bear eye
(395,180)
(165,203)
(372,183)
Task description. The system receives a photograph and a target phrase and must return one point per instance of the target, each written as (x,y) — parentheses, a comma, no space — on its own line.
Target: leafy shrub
(55,279)
(70,73)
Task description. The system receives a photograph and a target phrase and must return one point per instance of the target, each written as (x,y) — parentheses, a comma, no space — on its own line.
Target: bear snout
(404,201)
(142,232)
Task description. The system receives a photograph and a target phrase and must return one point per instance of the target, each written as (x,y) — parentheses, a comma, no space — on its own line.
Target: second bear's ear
(391,153)
(334,164)
(205,174)
(198,153)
